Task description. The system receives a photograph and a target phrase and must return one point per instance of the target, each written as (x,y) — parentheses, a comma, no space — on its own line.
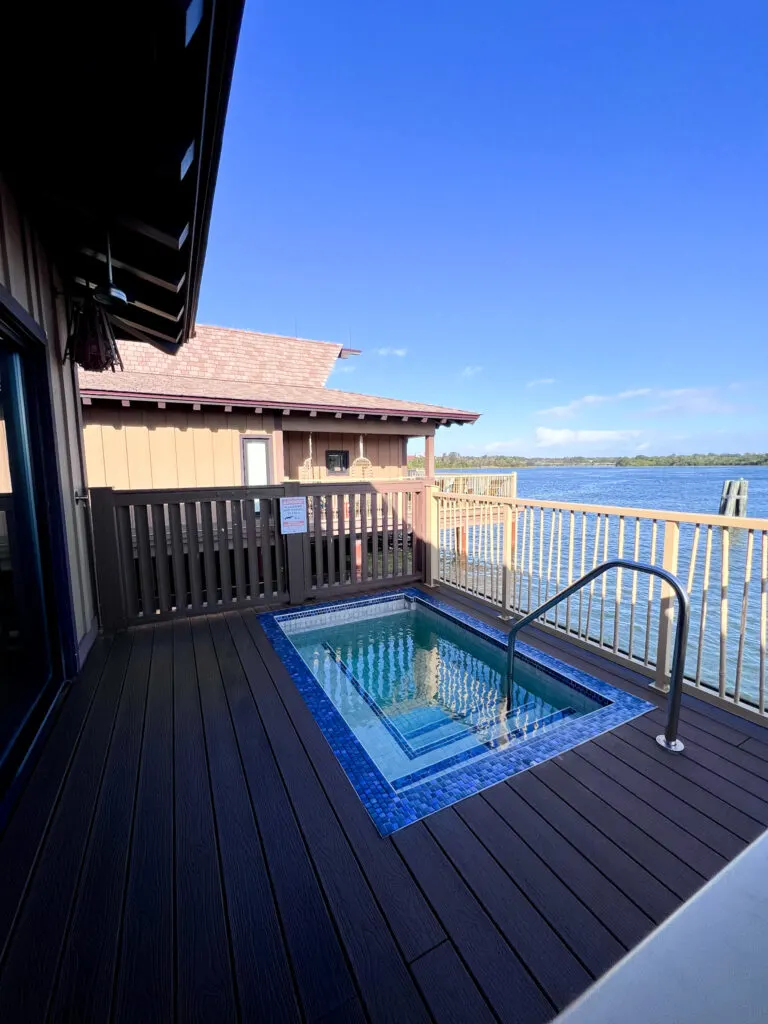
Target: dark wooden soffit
(112,123)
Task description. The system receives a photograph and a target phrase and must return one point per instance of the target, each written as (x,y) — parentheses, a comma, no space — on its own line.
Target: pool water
(423,694)
(413,697)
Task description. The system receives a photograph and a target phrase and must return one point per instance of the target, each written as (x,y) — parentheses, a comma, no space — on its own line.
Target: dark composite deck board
(145,976)
(650,895)
(451,994)
(554,966)
(602,774)
(86,972)
(407,912)
(757,748)
(498,970)
(714,794)
(322,976)
(714,822)
(751,785)
(187,846)
(618,913)
(592,942)
(666,867)
(264,983)
(387,988)
(29,967)
(205,983)
(26,827)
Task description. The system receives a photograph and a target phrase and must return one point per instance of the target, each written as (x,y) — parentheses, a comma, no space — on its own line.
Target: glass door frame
(38,513)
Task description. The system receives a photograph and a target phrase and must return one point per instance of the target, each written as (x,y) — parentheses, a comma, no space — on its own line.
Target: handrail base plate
(675,747)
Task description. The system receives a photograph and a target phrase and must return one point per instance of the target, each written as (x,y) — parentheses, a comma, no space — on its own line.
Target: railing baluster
(582,566)
(763,620)
(592,584)
(571,526)
(193,555)
(161,558)
(618,595)
(550,551)
(125,545)
(273,537)
(647,653)
(254,576)
(209,559)
(743,624)
(541,550)
(177,556)
(725,540)
(604,585)
(146,583)
(633,599)
(329,540)
(222,538)
(704,601)
(237,548)
(317,518)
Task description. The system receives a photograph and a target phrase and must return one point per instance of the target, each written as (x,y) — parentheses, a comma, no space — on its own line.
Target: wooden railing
(517,553)
(161,554)
(487,485)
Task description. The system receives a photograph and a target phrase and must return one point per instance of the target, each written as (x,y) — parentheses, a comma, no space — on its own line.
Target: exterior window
(337,461)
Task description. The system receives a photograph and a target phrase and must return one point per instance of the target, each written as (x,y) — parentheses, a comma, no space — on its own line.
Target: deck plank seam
(714,799)
(51,813)
(540,912)
(662,814)
(652,922)
(214,813)
(129,854)
(265,859)
(529,970)
(87,846)
(624,849)
(422,993)
(708,772)
(51,817)
(321,887)
(330,798)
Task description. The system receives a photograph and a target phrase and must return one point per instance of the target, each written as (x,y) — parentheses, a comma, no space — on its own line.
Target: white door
(256,462)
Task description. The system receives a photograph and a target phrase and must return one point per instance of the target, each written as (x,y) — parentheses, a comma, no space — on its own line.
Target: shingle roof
(223,366)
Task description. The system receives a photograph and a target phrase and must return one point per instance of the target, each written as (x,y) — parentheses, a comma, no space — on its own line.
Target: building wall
(28,274)
(135,447)
(387,452)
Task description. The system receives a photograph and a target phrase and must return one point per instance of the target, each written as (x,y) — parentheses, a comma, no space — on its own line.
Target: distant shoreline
(468,463)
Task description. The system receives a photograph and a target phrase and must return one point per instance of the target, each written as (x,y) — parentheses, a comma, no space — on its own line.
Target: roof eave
(443,417)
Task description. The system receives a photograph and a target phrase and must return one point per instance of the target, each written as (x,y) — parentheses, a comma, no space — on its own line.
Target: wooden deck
(187,847)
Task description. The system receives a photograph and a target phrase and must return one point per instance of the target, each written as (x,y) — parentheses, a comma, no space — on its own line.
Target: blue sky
(553,213)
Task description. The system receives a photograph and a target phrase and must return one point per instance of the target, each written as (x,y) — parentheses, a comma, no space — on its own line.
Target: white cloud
(562,411)
(470,371)
(343,368)
(391,352)
(540,381)
(496,446)
(642,447)
(548,437)
(693,401)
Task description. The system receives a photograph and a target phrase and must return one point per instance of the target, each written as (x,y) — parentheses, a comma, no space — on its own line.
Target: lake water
(679,489)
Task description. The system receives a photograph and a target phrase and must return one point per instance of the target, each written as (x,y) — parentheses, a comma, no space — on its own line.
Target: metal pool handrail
(668,739)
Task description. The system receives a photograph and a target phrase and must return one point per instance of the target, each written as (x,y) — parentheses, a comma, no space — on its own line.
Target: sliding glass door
(25,648)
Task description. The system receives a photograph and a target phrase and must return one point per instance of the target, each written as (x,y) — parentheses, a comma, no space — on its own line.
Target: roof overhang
(112,126)
(443,417)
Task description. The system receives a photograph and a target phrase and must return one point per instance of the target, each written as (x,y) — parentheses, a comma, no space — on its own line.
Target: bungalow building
(238,407)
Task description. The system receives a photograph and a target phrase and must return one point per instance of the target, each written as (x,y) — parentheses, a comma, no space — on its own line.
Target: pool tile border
(390,810)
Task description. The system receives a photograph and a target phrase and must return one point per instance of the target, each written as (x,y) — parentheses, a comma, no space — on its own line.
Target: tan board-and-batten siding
(134,448)
(387,453)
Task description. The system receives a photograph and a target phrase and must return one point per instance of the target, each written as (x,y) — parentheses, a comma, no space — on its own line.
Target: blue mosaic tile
(391,810)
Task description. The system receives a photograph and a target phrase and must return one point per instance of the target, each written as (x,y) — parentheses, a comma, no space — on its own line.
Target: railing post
(667,607)
(298,584)
(432,536)
(106,556)
(507,560)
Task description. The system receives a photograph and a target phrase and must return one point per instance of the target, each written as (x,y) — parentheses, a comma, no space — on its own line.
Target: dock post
(667,607)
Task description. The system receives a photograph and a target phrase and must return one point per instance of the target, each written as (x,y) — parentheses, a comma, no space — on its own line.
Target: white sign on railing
(293,515)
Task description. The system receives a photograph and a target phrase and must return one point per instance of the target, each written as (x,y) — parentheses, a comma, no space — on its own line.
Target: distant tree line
(455,461)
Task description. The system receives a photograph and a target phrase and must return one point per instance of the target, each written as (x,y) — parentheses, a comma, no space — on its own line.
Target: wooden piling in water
(733,500)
